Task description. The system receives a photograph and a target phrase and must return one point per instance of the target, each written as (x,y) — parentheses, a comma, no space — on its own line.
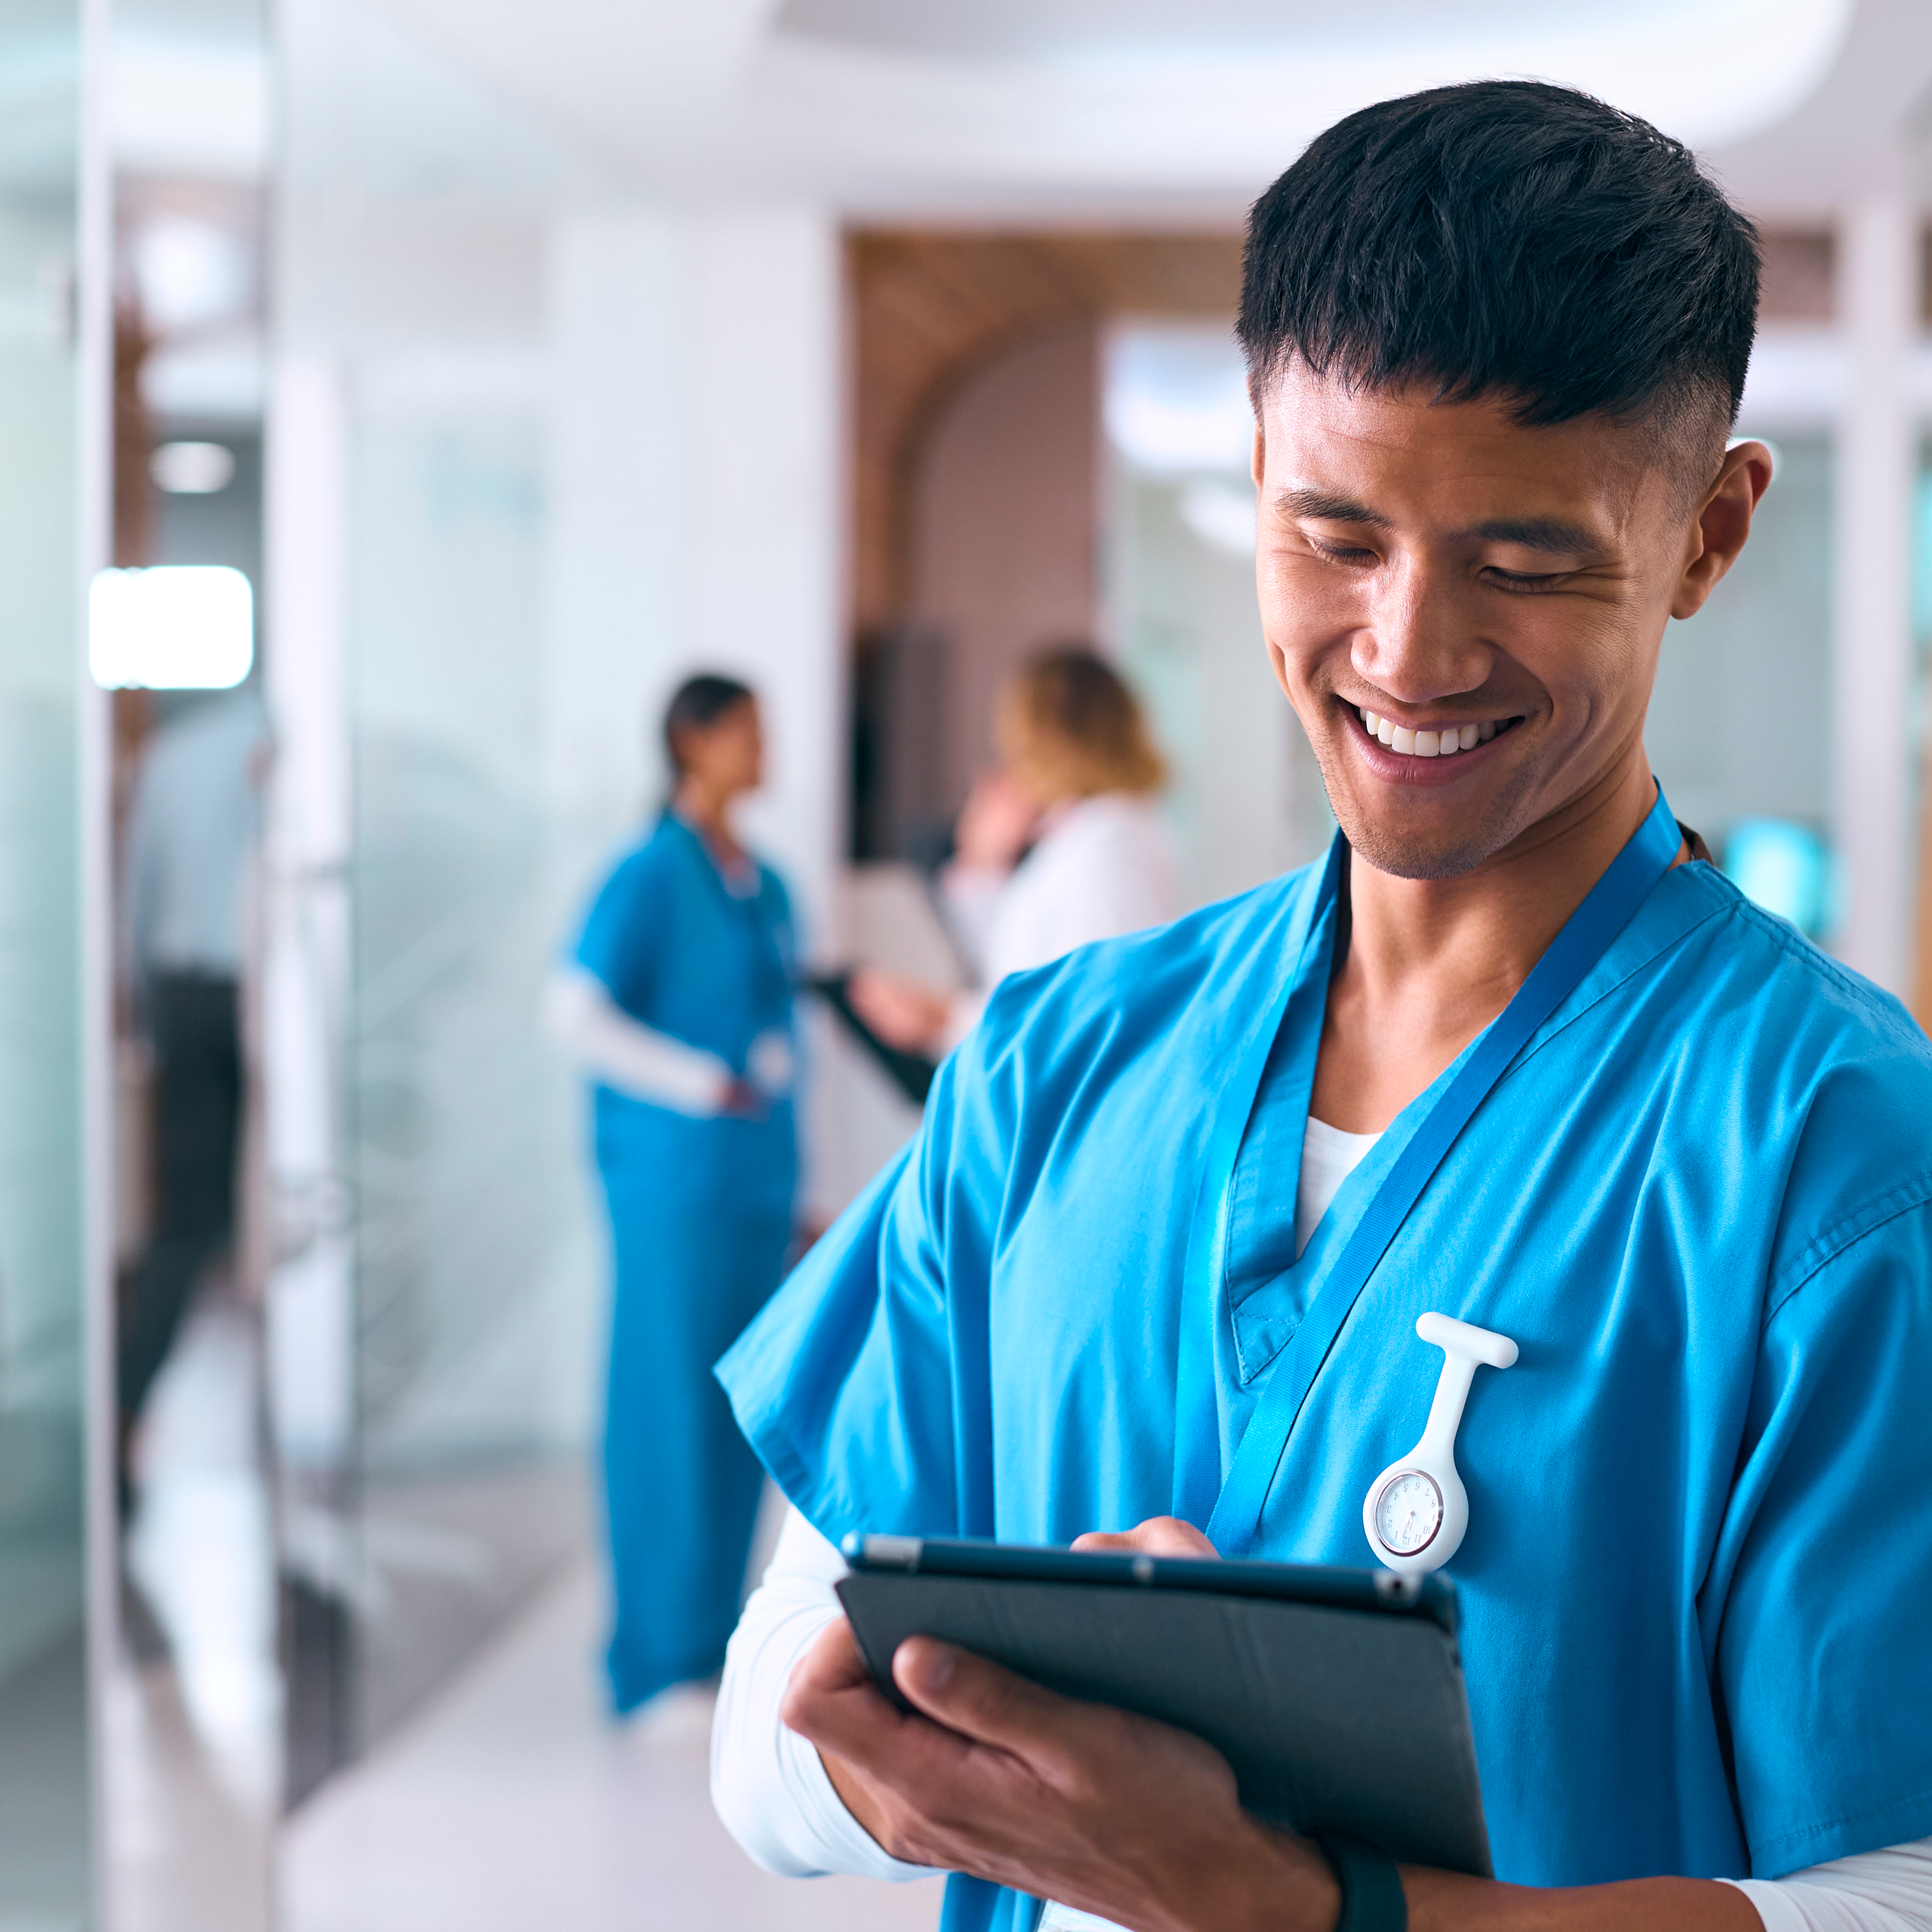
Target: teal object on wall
(1787,868)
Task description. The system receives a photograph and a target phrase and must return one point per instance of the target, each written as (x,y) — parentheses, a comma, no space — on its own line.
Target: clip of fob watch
(1417,1510)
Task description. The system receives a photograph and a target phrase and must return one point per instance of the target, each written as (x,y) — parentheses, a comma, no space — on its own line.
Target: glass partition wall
(515,401)
(434,1299)
(44,1754)
(192,1789)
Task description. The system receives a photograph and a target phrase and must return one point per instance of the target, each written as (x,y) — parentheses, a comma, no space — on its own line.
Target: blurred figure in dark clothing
(192,835)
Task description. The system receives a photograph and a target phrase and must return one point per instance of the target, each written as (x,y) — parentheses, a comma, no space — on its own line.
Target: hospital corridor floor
(511,1805)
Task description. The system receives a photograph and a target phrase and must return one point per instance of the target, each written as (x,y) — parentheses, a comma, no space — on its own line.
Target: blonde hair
(1069,728)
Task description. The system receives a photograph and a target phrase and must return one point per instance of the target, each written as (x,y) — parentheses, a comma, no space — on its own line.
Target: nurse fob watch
(1417,1510)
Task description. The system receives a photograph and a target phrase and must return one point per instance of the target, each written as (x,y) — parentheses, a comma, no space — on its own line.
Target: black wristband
(1372,1896)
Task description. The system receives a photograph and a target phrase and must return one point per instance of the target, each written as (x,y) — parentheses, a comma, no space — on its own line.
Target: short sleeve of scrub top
(626,926)
(1823,1654)
(862,1338)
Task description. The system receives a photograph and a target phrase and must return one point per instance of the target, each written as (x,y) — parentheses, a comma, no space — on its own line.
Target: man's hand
(1106,1812)
(1125,1818)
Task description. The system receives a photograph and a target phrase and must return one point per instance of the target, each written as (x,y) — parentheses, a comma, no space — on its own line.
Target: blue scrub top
(677,950)
(1696,1585)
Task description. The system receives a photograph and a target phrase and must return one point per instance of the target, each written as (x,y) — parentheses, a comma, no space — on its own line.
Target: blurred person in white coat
(1078,781)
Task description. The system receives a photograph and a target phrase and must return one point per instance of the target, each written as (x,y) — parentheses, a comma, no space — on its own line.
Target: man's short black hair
(1513,239)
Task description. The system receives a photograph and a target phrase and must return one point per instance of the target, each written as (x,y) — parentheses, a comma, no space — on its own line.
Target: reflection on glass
(192,1785)
(44,1819)
(433,1307)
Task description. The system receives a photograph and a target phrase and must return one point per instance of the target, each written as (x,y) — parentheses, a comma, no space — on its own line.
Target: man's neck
(1430,962)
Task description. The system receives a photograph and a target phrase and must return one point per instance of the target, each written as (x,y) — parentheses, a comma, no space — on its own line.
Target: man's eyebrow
(1547,533)
(1329,506)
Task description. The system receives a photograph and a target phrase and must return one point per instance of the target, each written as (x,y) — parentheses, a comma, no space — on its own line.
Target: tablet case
(911,1073)
(1333,1718)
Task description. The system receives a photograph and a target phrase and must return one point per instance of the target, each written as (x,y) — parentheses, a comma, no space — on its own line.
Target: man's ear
(1257,463)
(1722,523)
(1278,664)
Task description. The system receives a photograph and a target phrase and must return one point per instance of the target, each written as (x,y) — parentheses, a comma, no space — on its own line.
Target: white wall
(695,494)
(1872,739)
(696,482)
(310,1309)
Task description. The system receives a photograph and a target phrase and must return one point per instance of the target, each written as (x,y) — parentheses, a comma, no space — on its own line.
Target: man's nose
(1421,642)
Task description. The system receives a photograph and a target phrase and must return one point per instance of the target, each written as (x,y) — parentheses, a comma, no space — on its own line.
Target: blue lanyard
(1652,849)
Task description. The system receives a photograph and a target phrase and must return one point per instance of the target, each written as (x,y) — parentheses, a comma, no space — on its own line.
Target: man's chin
(1409,844)
(1404,856)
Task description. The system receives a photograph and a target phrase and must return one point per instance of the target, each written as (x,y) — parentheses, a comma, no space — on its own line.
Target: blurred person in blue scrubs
(193,829)
(677,1001)
(1514,1053)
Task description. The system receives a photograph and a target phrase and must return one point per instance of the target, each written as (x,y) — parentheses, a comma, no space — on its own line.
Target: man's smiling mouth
(1442,740)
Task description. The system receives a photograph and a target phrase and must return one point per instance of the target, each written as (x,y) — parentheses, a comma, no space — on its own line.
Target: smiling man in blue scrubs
(1497,335)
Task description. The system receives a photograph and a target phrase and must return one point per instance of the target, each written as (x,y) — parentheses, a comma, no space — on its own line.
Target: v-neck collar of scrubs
(739,883)
(1265,1289)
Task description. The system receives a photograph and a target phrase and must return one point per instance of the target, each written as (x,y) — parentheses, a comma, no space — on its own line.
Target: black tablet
(911,1073)
(1336,1694)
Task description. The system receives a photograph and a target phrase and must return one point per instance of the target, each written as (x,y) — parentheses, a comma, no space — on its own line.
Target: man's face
(1438,566)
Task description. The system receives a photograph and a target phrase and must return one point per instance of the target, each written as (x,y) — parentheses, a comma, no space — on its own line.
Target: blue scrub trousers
(681,1485)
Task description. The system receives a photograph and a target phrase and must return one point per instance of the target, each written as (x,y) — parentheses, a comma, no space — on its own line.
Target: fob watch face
(1408,1512)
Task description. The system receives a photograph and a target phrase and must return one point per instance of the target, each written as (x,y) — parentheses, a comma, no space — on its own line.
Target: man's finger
(870,1748)
(1159,1536)
(981,1700)
(834,1662)
(896,1771)
(830,1689)
(831,1701)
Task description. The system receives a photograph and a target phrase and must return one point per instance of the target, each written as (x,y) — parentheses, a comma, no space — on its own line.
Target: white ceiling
(227,24)
(1022,30)
(1048,109)
(1866,119)
(1157,104)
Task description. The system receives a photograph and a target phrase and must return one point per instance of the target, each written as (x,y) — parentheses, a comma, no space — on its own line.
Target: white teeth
(1426,744)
